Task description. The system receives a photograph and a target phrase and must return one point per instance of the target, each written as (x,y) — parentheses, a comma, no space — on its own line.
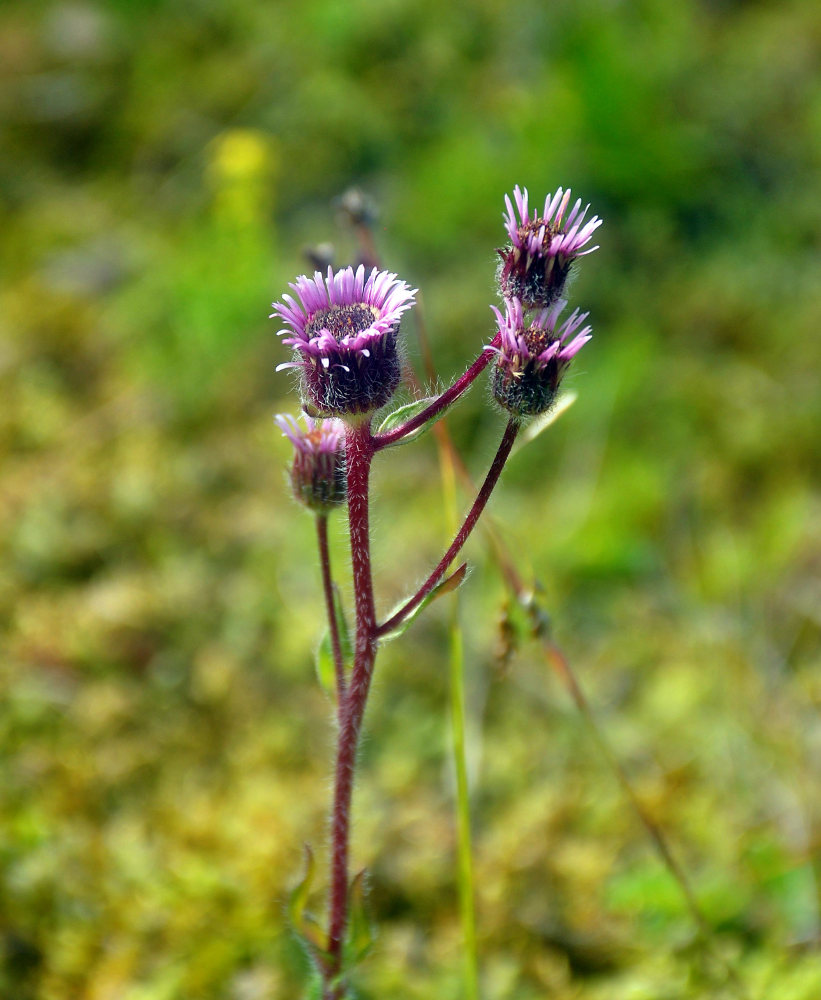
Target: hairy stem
(462,535)
(359,451)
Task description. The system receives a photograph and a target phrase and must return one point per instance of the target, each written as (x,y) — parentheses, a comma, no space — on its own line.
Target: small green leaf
(304,925)
(325,670)
(315,987)
(541,423)
(299,896)
(402,414)
(360,937)
(449,584)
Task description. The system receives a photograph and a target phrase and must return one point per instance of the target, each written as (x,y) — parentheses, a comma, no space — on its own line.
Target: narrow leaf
(314,988)
(303,924)
(447,586)
(402,414)
(541,423)
(313,935)
(450,583)
(325,669)
(342,624)
(298,899)
(360,937)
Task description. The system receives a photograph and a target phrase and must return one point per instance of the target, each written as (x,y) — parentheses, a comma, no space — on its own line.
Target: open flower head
(533,355)
(343,329)
(318,472)
(536,263)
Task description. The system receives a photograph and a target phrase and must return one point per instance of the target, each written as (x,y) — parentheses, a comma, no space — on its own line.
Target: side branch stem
(441,403)
(462,535)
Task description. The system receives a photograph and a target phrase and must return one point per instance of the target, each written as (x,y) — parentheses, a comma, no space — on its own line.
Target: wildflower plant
(344,331)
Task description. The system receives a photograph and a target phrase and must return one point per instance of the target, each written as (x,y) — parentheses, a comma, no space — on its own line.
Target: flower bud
(318,472)
(533,357)
(535,266)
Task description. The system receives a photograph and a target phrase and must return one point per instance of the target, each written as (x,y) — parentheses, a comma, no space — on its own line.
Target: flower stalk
(475,512)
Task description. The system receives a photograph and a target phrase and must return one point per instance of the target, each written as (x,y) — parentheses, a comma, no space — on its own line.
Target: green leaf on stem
(402,414)
(315,987)
(304,925)
(542,422)
(325,669)
(360,937)
(447,586)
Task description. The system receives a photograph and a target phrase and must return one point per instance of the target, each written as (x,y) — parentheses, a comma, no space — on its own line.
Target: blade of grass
(457,723)
(467,893)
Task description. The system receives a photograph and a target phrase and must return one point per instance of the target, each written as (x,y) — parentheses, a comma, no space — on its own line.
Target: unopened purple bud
(344,329)
(535,265)
(318,472)
(533,356)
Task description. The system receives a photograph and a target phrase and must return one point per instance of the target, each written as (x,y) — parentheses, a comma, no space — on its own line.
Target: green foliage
(164,164)
(361,935)
(325,669)
(401,415)
(304,925)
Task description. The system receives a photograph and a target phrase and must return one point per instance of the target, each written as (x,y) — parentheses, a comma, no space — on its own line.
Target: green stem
(467,911)
(465,847)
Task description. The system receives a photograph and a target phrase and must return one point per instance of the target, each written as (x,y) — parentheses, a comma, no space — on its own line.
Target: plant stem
(359,452)
(330,606)
(462,535)
(442,402)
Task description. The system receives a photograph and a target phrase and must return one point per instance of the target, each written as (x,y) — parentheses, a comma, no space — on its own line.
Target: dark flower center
(342,321)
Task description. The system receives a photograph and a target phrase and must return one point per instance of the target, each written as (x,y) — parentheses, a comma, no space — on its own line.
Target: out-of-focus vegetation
(165,745)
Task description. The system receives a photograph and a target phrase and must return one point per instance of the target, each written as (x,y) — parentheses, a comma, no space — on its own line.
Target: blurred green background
(165,745)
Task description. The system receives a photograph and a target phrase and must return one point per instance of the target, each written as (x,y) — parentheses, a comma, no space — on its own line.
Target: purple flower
(343,329)
(534,355)
(535,266)
(318,472)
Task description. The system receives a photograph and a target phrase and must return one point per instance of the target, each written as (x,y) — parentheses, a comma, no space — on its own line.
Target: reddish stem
(470,521)
(330,606)
(359,451)
(441,403)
